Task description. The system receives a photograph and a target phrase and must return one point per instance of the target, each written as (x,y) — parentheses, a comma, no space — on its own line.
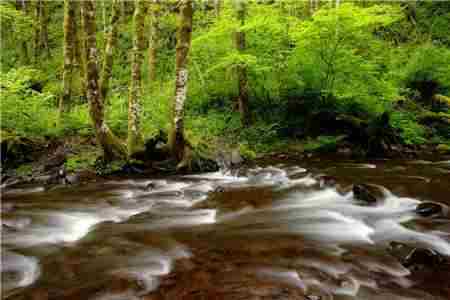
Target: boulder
(419,258)
(432,209)
(443,149)
(367,193)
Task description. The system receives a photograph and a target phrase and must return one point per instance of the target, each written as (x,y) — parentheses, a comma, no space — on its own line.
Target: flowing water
(284,231)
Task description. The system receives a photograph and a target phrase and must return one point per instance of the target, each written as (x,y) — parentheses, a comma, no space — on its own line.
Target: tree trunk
(154,41)
(177,142)
(217,7)
(109,49)
(69,15)
(25,59)
(242,80)
(111,146)
(134,101)
(80,46)
(44,19)
(37,30)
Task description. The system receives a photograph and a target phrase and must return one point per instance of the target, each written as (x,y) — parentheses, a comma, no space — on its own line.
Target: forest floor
(74,160)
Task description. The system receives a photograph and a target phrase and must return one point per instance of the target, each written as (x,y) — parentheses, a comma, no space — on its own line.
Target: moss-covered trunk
(111,146)
(43,22)
(37,30)
(79,48)
(155,10)
(135,141)
(68,48)
(177,140)
(241,70)
(111,40)
(25,59)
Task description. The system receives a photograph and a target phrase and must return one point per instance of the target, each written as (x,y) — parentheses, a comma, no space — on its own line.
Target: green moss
(443,148)
(82,161)
(24,170)
(246,152)
(323,143)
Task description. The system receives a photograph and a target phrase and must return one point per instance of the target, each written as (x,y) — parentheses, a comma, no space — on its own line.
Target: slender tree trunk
(37,30)
(69,30)
(217,7)
(111,40)
(241,11)
(177,141)
(80,48)
(134,100)
(153,41)
(111,146)
(22,5)
(44,19)
(338,2)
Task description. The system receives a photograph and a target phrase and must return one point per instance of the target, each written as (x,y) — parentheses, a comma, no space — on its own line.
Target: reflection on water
(284,232)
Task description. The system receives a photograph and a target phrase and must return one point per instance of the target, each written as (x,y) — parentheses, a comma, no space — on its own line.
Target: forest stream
(323,229)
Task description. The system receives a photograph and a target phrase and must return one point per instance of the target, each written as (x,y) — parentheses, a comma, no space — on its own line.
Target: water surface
(278,231)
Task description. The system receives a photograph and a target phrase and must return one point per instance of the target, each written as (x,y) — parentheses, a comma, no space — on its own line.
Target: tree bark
(22,5)
(37,30)
(44,19)
(217,7)
(111,40)
(134,101)
(69,15)
(80,48)
(111,146)
(154,41)
(177,141)
(241,71)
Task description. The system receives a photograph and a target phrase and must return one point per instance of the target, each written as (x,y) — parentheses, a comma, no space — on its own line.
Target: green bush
(23,109)
(410,130)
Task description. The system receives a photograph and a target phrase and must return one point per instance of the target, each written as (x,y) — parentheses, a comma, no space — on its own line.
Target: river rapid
(276,231)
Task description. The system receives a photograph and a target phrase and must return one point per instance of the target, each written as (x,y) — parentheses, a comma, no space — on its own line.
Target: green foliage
(338,54)
(426,71)
(25,110)
(322,143)
(246,152)
(410,130)
(24,170)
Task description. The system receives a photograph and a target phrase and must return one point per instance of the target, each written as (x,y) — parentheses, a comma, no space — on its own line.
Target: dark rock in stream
(432,209)
(367,193)
(419,258)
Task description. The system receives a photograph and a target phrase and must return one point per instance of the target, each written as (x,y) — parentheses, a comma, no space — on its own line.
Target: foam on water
(333,222)
(25,270)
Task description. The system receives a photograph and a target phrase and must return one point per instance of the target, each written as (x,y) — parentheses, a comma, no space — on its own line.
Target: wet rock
(439,122)
(419,258)
(155,184)
(443,149)
(327,180)
(432,209)
(56,160)
(346,151)
(16,223)
(155,149)
(17,150)
(73,178)
(229,160)
(236,157)
(133,168)
(369,194)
